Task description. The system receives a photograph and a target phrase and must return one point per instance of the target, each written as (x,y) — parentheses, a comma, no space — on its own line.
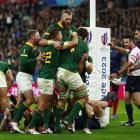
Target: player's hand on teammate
(40,57)
(84,57)
(57,45)
(73,33)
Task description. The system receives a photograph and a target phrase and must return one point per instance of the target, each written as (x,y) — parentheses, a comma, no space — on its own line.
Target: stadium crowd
(121,21)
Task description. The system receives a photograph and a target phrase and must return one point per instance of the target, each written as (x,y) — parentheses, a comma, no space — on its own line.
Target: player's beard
(36,41)
(66,25)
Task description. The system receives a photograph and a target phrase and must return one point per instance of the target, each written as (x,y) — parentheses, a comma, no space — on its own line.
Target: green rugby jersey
(66,36)
(83,76)
(72,59)
(3,67)
(27,58)
(65,31)
(49,66)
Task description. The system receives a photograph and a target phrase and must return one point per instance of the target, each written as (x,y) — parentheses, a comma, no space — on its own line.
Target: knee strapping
(63,95)
(81,93)
(82,101)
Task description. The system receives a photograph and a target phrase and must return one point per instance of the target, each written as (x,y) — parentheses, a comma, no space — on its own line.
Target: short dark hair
(131,38)
(67,11)
(82,32)
(30,33)
(53,33)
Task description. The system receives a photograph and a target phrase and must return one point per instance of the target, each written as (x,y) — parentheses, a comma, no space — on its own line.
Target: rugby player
(29,55)
(85,66)
(68,77)
(6,80)
(65,26)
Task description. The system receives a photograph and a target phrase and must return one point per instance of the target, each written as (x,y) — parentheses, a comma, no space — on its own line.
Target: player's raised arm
(89,65)
(119,49)
(44,42)
(86,63)
(72,43)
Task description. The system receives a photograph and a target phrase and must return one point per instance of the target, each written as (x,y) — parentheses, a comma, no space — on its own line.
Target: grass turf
(112,132)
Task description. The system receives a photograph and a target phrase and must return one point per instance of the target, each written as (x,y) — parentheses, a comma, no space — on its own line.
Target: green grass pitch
(112,132)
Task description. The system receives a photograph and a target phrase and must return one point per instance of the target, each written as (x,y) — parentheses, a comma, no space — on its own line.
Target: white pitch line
(125,121)
(125,113)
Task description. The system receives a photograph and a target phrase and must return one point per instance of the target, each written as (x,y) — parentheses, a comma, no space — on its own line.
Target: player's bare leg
(3,99)
(29,100)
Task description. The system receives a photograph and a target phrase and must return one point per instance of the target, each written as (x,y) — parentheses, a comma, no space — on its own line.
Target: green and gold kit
(72,59)
(27,58)
(50,64)
(3,67)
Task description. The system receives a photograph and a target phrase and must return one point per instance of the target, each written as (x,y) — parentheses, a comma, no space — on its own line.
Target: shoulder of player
(3,63)
(135,50)
(74,28)
(26,47)
(54,26)
(81,41)
(47,48)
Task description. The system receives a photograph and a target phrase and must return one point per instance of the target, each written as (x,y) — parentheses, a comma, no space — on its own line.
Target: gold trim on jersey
(46,33)
(30,44)
(60,24)
(8,71)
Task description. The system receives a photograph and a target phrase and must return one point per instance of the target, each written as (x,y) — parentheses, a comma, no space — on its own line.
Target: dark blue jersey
(116,58)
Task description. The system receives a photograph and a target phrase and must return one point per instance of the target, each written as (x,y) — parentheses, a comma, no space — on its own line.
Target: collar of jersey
(60,24)
(30,44)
